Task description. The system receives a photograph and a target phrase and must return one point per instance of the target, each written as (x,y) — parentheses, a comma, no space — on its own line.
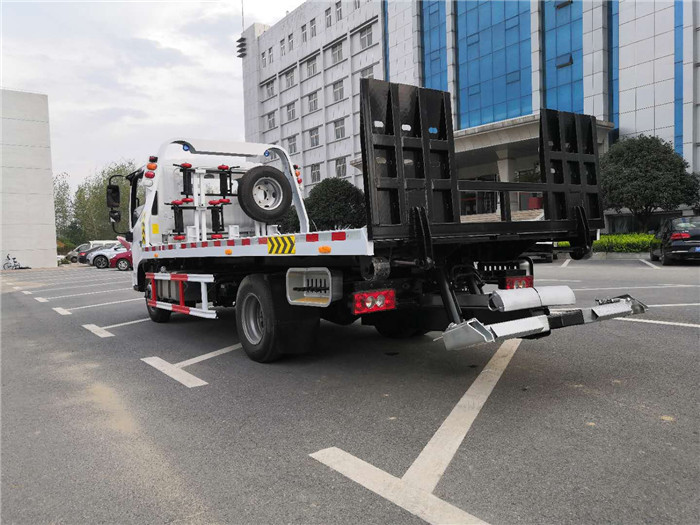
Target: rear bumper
(473,332)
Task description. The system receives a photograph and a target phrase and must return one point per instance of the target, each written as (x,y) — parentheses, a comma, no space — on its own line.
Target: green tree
(333,204)
(89,203)
(644,174)
(63,204)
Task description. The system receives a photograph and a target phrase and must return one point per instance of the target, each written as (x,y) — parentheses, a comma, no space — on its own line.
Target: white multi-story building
(28,223)
(631,63)
(301,84)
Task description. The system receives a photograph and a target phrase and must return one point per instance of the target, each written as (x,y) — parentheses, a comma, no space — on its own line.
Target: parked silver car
(100,258)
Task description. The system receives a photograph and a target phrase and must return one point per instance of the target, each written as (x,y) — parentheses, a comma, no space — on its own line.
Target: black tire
(157,315)
(100,262)
(399,325)
(267,325)
(665,259)
(123,265)
(578,254)
(264,194)
(74,260)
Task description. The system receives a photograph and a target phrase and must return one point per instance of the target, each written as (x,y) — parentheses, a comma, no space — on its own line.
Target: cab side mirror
(115,216)
(113,199)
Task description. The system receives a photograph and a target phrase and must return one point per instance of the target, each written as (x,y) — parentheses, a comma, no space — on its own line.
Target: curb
(602,256)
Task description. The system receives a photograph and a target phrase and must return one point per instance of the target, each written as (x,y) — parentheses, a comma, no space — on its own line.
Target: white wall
(28,226)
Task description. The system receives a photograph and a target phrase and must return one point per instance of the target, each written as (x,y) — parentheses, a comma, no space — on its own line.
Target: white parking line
(98,283)
(413,492)
(676,304)
(649,264)
(175,370)
(559,280)
(565,263)
(46,299)
(69,310)
(651,321)
(16,287)
(61,311)
(98,331)
(640,287)
(102,331)
(26,292)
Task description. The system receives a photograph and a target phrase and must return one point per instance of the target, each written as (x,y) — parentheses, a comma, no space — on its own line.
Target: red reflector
(223,167)
(374,301)
(338,236)
(213,203)
(152,158)
(149,174)
(176,203)
(224,201)
(680,236)
(525,281)
(299,180)
(312,237)
(217,236)
(186,165)
(188,199)
(179,237)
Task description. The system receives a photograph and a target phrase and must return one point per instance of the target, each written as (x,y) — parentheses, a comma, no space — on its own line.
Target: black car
(677,240)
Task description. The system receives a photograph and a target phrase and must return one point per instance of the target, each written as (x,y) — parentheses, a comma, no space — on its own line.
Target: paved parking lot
(108,417)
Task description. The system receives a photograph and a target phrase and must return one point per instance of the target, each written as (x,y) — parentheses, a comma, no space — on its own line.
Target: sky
(123,77)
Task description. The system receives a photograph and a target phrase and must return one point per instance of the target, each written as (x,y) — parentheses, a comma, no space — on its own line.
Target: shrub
(621,243)
(333,204)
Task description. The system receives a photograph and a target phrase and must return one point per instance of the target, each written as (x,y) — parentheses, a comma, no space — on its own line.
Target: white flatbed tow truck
(206,237)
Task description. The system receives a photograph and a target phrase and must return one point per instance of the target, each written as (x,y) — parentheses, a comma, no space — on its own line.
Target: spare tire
(264,194)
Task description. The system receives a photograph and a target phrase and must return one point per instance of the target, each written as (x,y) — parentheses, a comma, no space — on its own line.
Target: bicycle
(12,264)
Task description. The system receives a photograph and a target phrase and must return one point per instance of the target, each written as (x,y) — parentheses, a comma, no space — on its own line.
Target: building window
(494,75)
(264,59)
(289,78)
(290,41)
(339,129)
(434,29)
(271,120)
(270,89)
(366,37)
(311,67)
(269,53)
(338,11)
(367,72)
(292,145)
(337,91)
(282,47)
(563,55)
(312,27)
(303,33)
(313,102)
(341,168)
(337,53)
(357,4)
(313,138)
(291,111)
(329,20)
(315,173)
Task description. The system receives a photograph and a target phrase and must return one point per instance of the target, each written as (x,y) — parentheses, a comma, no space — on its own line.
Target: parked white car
(73,255)
(100,258)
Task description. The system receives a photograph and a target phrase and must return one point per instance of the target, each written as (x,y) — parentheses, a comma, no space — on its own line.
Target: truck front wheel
(269,327)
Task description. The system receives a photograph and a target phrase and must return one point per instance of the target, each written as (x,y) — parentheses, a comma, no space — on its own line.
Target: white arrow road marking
(175,370)
(413,492)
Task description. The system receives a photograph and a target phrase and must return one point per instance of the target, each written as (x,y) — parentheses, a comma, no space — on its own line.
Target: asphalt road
(597,423)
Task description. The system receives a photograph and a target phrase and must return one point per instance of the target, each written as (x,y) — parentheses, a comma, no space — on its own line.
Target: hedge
(621,243)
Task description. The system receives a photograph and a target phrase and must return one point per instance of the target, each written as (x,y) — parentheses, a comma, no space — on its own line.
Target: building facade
(631,63)
(28,222)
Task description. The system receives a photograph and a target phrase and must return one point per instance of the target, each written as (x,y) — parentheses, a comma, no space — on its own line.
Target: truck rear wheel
(267,325)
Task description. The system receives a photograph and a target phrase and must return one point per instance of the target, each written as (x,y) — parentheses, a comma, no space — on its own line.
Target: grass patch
(620,243)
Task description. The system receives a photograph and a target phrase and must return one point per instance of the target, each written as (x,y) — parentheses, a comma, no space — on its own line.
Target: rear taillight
(679,236)
(525,281)
(374,301)
(82,253)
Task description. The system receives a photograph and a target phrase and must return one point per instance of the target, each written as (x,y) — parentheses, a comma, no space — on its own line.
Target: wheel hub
(253,320)
(267,193)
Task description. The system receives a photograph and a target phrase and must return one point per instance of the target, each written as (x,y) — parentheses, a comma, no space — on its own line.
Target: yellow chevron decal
(281,245)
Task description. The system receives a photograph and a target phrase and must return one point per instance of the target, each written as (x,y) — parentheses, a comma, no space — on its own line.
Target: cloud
(122,77)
